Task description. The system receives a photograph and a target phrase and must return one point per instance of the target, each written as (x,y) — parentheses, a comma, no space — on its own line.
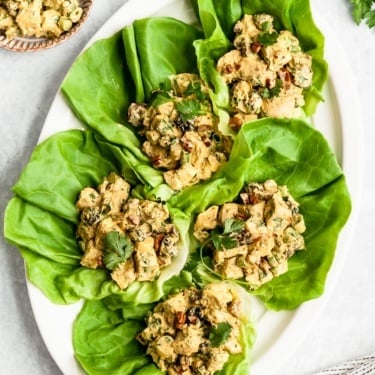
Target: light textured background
(28,84)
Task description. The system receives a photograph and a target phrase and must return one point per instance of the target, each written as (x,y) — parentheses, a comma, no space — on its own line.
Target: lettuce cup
(127,68)
(262,59)
(193,330)
(292,154)
(58,239)
(180,132)
(133,238)
(252,238)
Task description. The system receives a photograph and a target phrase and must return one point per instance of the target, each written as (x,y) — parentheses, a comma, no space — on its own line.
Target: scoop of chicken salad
(180,131)
(196,330)
(254,238)
(133,238)
(267,71)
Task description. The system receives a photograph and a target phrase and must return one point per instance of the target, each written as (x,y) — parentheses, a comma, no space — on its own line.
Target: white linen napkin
(360,366)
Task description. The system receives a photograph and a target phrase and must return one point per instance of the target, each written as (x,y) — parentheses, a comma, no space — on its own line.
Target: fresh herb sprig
(267,93)
(223,239)
(117,249)
(189,108)
(219,334)
(161,95)
(195,88)
(363,10)
(267,38)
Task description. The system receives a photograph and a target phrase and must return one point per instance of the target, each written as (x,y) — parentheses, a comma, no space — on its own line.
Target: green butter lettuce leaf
(131,55)
(220,14)
(41,219)
(113,348)
(49,235)
(157,48)
(99,89)
(61,166)
(104,343)
(51,254)
(325,212)
(142,293)
(293,154)
(125,68)
(218,18)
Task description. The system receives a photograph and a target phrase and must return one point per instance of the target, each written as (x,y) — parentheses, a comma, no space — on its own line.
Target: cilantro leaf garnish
(224,239)
(117,249)
(166,85)
(233,225)
(219,334)
(267,39)
(162,94)
(159,98)
(267,93)
(223,242)
(370,18)
(195,88)
(362,10)
(266,26)
(188,108)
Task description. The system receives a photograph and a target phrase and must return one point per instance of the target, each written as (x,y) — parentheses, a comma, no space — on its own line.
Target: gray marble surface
(28,83)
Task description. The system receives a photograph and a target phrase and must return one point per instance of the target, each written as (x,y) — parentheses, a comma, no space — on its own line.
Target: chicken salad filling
(254,238)
(195,331)
(39,18)
(180,131)
(131,237)
(267,71)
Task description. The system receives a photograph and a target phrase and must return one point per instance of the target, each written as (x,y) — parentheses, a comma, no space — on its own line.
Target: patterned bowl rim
(23,44)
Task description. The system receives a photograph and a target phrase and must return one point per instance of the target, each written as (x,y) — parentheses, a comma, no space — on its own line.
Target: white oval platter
(338,118)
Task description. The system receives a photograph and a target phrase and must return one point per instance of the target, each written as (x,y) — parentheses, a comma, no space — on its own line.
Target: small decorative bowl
(27,44)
